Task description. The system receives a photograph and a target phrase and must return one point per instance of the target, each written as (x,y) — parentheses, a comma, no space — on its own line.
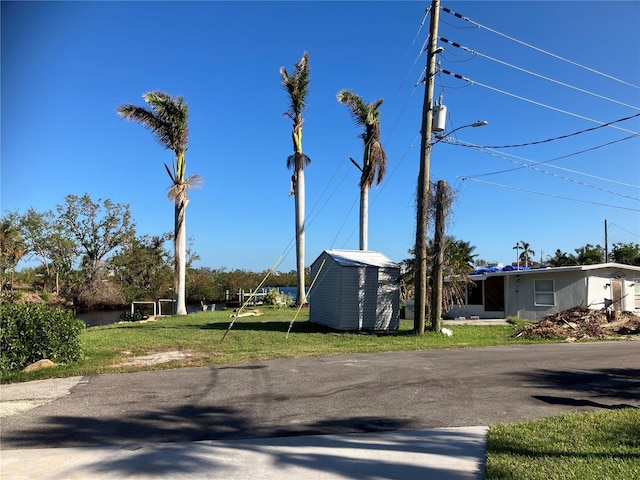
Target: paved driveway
(340,394)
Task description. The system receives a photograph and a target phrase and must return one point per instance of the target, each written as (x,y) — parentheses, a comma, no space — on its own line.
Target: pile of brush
(582,322)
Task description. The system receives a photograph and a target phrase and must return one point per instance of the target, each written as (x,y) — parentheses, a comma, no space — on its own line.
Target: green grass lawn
(106,348)
(584,446)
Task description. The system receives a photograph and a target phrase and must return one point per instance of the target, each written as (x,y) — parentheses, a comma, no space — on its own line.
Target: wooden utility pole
(438,259)
(606,242)
(423,178)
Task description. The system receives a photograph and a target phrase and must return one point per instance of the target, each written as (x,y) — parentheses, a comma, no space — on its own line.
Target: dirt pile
(582,322)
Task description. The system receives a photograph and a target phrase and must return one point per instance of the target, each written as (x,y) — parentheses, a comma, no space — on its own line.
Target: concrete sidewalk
(438,454)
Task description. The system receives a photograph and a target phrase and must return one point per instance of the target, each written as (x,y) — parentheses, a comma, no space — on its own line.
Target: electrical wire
(532,167)
(561,137)
(540,104)
(473,52)
(446,10)
(511,187)
(464,144)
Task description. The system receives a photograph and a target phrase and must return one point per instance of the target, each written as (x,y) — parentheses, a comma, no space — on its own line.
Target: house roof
(360,258)
(551,270)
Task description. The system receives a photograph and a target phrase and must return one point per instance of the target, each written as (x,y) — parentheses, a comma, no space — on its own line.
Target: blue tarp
(508,268)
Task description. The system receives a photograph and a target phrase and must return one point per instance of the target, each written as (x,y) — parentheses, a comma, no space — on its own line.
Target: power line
(538,142)
(464,144)
(511,187)
(540,104)
(473,52)
(444,9)
(532,167)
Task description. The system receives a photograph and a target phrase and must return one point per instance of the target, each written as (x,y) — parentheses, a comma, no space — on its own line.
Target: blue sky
(66,66)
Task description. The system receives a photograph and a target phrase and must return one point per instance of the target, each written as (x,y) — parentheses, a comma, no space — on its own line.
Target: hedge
(30,332)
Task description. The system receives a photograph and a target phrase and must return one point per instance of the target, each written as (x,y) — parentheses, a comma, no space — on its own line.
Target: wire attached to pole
(251,295)
(300,306)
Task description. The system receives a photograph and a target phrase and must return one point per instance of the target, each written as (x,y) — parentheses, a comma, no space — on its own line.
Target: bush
(30,332)
(274,297)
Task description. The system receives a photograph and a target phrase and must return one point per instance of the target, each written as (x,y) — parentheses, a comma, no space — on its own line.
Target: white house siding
(569,289)
(587,285)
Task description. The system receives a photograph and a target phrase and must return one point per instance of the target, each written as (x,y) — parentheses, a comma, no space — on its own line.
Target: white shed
(355,290)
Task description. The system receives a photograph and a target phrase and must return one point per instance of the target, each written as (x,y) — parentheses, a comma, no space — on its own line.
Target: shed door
(494,294)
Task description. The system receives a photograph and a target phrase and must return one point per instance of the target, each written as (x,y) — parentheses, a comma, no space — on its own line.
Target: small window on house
(474,293)
(544,293)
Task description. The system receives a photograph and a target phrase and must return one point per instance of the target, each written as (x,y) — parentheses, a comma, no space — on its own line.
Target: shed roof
(360,258)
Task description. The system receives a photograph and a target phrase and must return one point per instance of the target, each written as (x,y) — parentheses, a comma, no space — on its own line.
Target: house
(533,293)
(355,290)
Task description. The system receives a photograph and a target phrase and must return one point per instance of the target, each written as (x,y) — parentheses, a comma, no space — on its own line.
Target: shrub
(274,297)
(135,317)
(31,331)
(46,296)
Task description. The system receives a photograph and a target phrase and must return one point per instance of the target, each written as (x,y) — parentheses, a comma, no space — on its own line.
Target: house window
(544,293)
(636,292)
(474,293)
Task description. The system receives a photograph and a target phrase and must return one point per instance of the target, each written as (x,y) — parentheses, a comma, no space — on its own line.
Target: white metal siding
(350,294)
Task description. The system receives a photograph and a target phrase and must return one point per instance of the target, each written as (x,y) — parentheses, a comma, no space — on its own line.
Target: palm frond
(194,181)
(297,86)
(173,180)
(298,161)
(357,106)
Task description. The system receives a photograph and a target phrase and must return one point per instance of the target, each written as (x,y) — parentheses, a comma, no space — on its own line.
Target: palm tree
(297,86)
(167,118)
(374,158)
(526,251)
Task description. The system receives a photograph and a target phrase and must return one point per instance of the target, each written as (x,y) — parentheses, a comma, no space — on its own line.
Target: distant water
(96,318)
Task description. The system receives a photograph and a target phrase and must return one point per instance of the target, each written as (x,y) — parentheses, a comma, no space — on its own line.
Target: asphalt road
(340,394)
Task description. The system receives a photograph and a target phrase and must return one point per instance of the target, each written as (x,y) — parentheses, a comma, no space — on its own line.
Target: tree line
(87,255)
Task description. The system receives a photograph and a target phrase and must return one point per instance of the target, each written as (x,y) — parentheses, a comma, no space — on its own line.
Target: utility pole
(438,261)
(423,178)
(606,242)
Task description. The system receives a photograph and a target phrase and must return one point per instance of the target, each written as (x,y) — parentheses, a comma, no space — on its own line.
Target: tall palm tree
(297,86)
(374,159)
(167,118)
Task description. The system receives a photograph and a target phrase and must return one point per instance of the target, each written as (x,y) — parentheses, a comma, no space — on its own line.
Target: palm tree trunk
(301,296)
(364,218)
(180,252)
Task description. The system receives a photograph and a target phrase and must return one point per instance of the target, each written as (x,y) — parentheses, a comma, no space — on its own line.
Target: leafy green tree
(98,228)
(561,259)
(142,267)
(627,253)
(167,118)
(47,239)
(374,158)
(297,86)
(458,264)
(12,247)
(588,255)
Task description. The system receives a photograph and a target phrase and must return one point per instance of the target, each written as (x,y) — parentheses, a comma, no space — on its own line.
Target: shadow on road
(594,388)
(162,442)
